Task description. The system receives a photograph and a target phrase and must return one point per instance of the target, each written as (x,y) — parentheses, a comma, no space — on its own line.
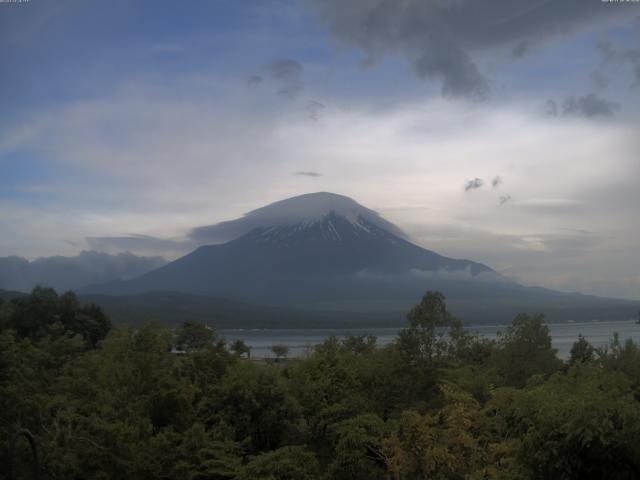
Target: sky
(502,131)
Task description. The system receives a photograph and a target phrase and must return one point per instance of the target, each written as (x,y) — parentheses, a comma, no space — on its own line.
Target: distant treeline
(150,402)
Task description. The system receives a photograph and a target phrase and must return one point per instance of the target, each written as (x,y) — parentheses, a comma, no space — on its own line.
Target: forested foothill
(151,402)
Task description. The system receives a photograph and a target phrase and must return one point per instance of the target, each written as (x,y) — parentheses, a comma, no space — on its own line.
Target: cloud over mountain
(69,273)
(289,211)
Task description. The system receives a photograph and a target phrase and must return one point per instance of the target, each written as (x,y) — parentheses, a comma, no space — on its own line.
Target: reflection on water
(300,340)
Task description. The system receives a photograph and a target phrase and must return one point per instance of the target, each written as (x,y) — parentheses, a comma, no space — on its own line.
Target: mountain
(7,295)
(325,252)
(313,248)
(69,273)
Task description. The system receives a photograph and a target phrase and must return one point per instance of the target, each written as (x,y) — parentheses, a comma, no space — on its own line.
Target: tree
(360,344)
(424,338)
(252,404)
(581,351)
(280,351)
(92,323)
(43,314)
(287,463)
(35,314)
(190,336)
(195,454)
(525,350)
(442,445)
(358,451)
(623,358)
(240,348)
(328,386)
(584,425)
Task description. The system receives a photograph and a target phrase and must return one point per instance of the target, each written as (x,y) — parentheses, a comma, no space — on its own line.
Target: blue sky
(137,118)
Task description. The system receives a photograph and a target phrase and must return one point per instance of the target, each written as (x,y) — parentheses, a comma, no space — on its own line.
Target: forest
(102,401)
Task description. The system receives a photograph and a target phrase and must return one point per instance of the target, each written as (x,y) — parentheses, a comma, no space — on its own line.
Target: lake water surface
(300,341)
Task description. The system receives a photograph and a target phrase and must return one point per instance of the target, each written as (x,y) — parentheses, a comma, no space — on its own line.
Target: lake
(300,341)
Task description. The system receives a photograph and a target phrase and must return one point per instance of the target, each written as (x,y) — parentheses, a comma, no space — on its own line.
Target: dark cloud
(590,105)
(287,76)
(452,65)
(314,109)
(504,199)
(254,80)
(473,184)
(439,38)
(496,181)
(308,174)
(614,56)
(521,49)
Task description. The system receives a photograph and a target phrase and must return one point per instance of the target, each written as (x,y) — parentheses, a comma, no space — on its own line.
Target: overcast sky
(503,131)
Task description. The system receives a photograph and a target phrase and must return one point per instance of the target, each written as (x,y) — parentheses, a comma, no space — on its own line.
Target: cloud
(287,75)
(521,49)
(504,199)
(308,174)
(442,39)
(70,273)
(496,181)
(590,105)
(613,55)
(587,106)
(138,244)
(254,80)
(551,206)
(287,212)
(460,275)
(474,184)
(459,75)
(314,109)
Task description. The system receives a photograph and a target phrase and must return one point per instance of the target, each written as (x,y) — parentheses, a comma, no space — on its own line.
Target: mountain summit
(302,210)
(327,252)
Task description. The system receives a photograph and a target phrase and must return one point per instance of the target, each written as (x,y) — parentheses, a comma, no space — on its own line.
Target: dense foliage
(438,403)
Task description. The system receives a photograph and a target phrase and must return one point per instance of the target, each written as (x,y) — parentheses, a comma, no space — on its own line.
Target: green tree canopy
(286,463)
(525,350)
(191,336)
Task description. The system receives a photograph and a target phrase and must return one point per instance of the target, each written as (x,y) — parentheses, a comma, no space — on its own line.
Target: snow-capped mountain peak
(332,227)
(302,211)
